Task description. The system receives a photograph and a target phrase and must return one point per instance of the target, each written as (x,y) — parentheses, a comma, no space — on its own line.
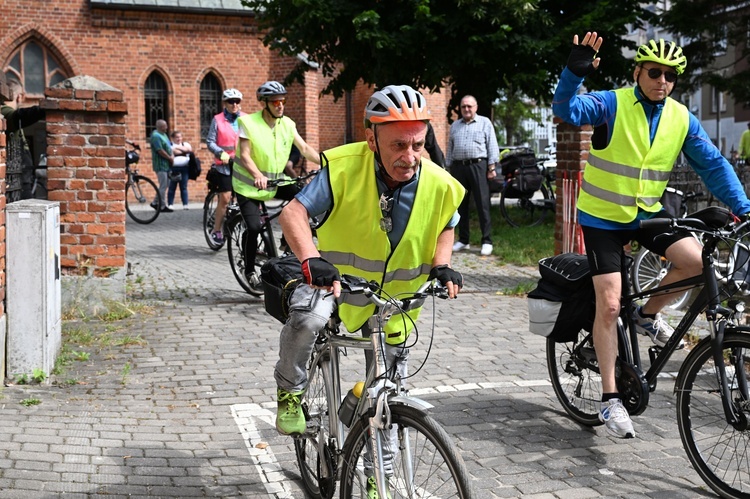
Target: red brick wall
(86,175)
(121,48)
(573,144)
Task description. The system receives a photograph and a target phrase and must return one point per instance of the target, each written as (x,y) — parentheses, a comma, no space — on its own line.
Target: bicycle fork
(737,419)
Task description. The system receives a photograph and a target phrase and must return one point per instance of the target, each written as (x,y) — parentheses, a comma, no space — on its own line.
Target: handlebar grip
(656,223)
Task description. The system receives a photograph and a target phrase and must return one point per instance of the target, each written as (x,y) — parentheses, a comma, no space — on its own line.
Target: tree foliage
(475,46)
(708,27)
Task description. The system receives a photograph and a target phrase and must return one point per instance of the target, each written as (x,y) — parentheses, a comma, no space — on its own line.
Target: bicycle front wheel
(717,450)
(525,210)
(209,218)
(142,199)
(424,460)
(235,250)
(318,472)
(574,373)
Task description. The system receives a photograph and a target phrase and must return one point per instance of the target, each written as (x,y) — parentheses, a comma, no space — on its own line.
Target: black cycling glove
(445,274)
(580,60)
(319,272)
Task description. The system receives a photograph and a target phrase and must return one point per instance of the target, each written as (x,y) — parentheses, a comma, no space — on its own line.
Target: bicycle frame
(708,301)
(380,388)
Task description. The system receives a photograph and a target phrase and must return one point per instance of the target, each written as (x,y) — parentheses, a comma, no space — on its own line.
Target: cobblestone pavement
(178,400)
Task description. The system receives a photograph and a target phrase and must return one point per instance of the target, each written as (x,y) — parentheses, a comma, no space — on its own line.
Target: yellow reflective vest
(351,239)
(631,173)
(270,148)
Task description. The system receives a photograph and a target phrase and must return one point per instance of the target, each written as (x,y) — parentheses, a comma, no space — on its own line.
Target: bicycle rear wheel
(317,484)
(425,463)
(209,218)
(717,450)
(525,210)
(574,373)
(142,199)
(648,271)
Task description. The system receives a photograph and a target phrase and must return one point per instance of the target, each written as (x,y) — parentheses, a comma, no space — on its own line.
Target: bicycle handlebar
(358,285)
(288,181)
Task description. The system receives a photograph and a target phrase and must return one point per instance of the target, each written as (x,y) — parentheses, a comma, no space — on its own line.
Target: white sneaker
(185,207)
(486,250)
(459,246)
(657,329)
(171,207)
(616,418)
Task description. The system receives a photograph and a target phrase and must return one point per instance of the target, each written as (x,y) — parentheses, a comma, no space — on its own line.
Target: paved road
(178,400)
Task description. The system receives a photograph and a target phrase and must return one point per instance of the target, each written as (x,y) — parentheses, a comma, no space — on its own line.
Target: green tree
(472,45)
(509,110)
(708,27)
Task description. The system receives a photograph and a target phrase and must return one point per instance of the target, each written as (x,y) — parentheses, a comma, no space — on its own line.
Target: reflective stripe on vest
(631,173)
(226,136)
(270,148)
(350,238)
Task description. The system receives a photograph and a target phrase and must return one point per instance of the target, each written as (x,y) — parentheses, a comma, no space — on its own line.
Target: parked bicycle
(713,398)
(234,235)
(142,200)
(425,464)
(528,194)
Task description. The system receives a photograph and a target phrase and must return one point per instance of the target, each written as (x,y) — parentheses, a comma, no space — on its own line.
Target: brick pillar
(573,145)
(86,175)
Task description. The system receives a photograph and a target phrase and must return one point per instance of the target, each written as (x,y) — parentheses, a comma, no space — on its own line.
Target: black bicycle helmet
(270,89)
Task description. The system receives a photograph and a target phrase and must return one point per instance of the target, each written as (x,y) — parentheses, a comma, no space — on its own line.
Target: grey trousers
(309,310)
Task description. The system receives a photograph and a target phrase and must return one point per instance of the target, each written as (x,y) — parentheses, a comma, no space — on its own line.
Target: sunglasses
(277,102)
(655,74)
(386,206)
(233,101)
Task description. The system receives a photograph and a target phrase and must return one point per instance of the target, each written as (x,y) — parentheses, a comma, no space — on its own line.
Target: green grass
(515,245)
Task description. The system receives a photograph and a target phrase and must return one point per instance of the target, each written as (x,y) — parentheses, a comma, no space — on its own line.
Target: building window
(35,68)
(210,96)
(155,98)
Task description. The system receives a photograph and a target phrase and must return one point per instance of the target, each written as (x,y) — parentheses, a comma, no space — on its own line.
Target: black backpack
(563,302)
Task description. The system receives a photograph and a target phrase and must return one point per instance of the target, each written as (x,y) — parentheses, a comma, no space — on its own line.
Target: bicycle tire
(437,470)
(235,245)
(574,373)
(648,271)
(716,449)
(209,218)
(525,210)
(315,407)
(140,196)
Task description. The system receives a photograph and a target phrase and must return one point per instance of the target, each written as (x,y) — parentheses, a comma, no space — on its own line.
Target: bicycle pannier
(280,275)
(527,179)
(563,302)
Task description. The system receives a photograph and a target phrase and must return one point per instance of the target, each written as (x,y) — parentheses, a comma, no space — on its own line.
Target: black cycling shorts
(605,248)
(219,182)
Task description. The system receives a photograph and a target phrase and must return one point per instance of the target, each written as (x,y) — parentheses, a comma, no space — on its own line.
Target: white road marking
(248,417)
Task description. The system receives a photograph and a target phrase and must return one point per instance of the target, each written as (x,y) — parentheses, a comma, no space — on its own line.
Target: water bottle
(349,405)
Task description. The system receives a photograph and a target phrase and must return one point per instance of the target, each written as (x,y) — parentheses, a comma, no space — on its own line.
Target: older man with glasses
(638,133)
(390,218)
(472,155)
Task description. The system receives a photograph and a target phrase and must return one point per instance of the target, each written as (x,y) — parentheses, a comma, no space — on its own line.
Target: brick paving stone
(154,418)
